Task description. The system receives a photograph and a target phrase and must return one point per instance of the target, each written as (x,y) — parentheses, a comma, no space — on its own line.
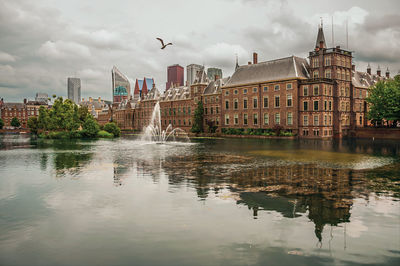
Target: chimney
(353,67)
(369,69)
(249,63)
(90,99)
(216,77)
(255,59)
(387,73)
(99,99)
(25,101)
(83,99)
(378,71)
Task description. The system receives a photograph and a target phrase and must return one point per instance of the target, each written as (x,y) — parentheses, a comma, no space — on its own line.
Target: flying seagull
(162,43)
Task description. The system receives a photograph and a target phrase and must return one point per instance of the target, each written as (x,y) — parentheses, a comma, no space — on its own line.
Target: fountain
(154,132)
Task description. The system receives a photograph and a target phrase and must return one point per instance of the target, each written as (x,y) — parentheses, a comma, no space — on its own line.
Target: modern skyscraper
(212,72)
(175,76)
(74,90)
(121,88)
(191,71)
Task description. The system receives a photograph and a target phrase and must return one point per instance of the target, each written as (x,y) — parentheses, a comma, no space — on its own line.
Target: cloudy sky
(45,41)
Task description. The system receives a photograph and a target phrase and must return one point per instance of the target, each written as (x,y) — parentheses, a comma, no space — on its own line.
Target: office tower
(191,71)
(175,76)
(121,88)
(74,89)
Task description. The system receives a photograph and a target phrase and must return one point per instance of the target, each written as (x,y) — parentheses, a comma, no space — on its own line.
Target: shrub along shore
(66,120)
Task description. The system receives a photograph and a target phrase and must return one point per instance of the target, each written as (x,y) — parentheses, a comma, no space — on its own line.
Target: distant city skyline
(44,42)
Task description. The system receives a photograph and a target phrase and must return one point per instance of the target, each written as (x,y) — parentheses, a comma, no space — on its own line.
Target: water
(154,132)
(207,202)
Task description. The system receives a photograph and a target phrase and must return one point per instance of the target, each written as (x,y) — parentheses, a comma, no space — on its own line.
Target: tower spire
(237,63)
(320,43)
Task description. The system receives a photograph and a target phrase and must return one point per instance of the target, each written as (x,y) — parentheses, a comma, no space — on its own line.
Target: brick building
(22,111)
(319,97)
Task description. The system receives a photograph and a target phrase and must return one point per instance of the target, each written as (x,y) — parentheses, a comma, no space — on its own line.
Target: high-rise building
(213,72)
(121,88)
(191,72)
(74,89)
(175,76)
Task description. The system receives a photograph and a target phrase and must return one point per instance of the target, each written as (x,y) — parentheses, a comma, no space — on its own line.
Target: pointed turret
(237,63)
(320,38)
(369,69)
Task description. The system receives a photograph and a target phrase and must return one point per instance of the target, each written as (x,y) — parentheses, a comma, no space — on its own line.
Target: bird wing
(162,42)
(170,43)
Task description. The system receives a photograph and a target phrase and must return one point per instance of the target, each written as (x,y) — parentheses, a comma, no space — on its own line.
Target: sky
(43,42)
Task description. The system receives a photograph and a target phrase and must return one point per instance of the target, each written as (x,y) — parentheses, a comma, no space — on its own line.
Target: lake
(203,202)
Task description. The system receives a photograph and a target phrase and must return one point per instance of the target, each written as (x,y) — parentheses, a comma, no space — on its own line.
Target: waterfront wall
(378,133)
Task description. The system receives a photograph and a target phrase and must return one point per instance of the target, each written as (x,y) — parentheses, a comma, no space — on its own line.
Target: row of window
(316,90)
(289,102)
(180,122)
(276,116)
(255,89)
(340,61)
(212,110)
(326,122)
(327,106)
(173,111)
(344,75)
(316,132)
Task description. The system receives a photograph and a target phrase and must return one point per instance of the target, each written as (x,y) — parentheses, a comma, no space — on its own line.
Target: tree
(15,122)
(198,119)
(90,127)
(33,124)
(384,101)
(83,112)
(1,123)
(44,118)
(112,128)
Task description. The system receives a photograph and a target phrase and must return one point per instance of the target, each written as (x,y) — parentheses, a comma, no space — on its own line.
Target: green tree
(33,124)
(44,118)
(15,122)
(90,127)
(64,115)
(198,119)
(112,128)
(83,112)
(384,101)
(1,123)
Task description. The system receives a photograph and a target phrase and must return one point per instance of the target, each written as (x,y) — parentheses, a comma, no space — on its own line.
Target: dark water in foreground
(209,202)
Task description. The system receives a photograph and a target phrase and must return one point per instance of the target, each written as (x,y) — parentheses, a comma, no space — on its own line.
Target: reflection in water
(185,200)
(70,162)
(325,195)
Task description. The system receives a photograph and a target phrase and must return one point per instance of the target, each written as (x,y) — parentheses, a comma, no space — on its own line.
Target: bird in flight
(162,43)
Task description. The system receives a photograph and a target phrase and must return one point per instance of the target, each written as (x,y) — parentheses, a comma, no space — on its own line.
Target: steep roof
(284,68)
(320,37)
(365,80)
(201,77)
(215,86)
(177,93)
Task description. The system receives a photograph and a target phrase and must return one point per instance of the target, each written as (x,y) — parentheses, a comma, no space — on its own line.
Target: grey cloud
(43,42)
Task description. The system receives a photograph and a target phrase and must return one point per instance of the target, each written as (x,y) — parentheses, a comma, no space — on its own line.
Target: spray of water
(154,132)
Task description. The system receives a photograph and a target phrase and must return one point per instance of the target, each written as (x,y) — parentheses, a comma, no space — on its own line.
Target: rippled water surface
(207,202)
